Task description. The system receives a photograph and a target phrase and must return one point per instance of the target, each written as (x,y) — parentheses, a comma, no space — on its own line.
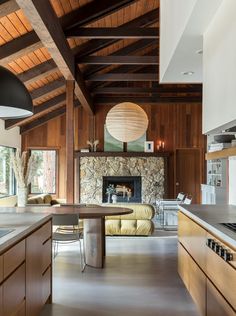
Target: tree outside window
(45,179)
(7,181)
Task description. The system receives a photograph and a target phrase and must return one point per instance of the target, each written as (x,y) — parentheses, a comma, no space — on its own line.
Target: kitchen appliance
(231,226)
(220,249)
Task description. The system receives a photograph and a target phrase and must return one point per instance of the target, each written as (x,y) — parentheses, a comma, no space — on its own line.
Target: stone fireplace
(94,168)
(128,189)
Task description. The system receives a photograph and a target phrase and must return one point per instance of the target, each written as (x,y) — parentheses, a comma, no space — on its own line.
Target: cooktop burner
(231,226)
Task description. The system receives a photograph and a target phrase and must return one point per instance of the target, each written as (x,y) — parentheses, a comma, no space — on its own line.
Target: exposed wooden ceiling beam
(127,68)
(147,100)
(19,47)
(113,32)
(119,60)
(123,70)
(29,42)
(92,12)
(39,110)
(142,90)
(47,89)
(129,49)
(38,72)
(95,45)
(44,119)
(7,7)
(45,22)
(124,77)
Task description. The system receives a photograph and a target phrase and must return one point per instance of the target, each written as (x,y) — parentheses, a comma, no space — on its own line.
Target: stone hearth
(92,170)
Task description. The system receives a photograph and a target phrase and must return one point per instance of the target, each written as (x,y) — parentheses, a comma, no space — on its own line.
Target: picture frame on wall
(149,147)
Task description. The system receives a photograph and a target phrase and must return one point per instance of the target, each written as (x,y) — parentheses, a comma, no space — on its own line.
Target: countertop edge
(211,229)
(21,235)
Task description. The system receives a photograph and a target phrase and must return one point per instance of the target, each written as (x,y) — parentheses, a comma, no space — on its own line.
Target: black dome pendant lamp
(15,100)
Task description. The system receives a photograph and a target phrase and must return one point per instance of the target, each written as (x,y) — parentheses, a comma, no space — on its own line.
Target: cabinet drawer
(222,274)
(183,265)
(46,285)
(14,257)
(193,278)
(197,285)
(216,304)
(14,292)
(193,237)
(46,255)
(1,301)
(1,269)
(45,232)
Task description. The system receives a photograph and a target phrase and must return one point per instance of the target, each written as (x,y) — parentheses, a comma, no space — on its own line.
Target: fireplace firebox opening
(127,189)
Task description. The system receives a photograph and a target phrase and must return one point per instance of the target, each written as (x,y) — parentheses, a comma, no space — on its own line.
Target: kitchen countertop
(24,220)
(22,223)
(210,217)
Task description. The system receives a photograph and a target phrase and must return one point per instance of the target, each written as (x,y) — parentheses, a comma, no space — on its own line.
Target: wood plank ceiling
(109,47)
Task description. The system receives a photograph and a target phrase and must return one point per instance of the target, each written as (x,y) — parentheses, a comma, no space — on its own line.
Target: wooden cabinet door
(193,237)
(197,286)
(189,175)
(33,274)
(1,302)
(216,304)
(36,260)
(14,292)
(222,274)
(183,265)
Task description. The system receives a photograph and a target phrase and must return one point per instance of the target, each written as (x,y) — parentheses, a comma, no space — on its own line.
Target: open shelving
(224,153)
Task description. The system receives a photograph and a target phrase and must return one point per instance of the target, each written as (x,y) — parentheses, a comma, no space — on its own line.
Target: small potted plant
(111,191)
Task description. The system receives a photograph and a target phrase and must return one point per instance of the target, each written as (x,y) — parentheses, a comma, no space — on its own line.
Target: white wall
(232,180)
(174,15)
(10,137)
(219,69)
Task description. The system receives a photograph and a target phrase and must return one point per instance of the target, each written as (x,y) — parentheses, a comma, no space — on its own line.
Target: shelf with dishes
(224,153)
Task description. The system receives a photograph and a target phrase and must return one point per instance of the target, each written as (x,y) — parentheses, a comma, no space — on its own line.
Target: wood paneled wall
(178,125)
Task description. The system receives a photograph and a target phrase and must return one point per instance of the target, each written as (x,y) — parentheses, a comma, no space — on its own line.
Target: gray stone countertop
(211,217)
(21,222)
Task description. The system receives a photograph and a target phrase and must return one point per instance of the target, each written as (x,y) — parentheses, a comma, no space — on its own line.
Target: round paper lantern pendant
(127,122)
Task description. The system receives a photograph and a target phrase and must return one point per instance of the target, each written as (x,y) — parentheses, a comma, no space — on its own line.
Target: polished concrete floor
(140,278)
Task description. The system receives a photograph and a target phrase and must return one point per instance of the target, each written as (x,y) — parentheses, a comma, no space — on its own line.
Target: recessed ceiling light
(187,73)
(199,51)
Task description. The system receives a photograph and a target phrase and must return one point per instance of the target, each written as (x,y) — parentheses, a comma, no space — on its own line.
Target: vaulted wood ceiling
(109,47)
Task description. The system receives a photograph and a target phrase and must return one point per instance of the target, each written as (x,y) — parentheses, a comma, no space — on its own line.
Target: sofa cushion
(39,199)
(129,227)
(112,227)
(32,200)
(140,211)
(144,227)
(47,199)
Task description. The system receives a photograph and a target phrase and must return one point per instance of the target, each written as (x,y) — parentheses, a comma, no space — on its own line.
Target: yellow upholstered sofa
(44,199)
(139,223)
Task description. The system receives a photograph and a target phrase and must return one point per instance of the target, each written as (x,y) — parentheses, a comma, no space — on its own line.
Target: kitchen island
(207,257)
(25,262)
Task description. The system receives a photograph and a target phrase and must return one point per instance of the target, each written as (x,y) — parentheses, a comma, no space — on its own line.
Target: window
(7,180)
(44,180)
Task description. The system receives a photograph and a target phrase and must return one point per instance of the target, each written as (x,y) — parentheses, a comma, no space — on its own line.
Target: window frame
(12,176)
(56,168)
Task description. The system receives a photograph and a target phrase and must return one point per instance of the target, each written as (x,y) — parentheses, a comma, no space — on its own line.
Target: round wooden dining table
(94,226)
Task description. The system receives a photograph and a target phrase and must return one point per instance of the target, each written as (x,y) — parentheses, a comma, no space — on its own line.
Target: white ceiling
(183,57)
